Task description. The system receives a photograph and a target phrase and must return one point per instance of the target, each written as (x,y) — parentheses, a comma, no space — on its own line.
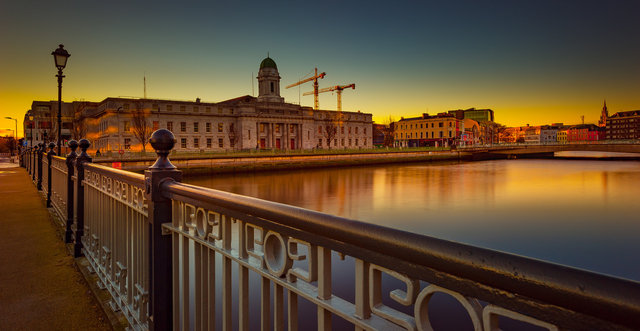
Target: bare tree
(388,131)
(79,128)
(233,136)
(330,128)
(140,126)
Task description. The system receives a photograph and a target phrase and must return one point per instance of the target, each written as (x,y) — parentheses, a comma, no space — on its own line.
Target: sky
(532,62)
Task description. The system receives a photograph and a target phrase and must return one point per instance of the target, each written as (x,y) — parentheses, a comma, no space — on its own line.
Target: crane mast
(315,92)
(337,88)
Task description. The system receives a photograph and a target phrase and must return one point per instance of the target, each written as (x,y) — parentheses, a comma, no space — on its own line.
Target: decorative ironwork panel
(59,188)
(116,238)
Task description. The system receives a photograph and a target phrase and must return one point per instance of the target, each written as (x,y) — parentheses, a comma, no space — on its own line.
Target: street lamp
(60,57)
(31,125)
(14,132)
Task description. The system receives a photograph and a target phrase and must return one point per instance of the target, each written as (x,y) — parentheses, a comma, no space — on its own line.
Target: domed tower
(269,81)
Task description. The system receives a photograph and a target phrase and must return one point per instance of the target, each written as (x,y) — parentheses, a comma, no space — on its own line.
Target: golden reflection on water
(568,211)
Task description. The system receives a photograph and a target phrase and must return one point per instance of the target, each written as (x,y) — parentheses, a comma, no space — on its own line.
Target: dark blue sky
(531,61)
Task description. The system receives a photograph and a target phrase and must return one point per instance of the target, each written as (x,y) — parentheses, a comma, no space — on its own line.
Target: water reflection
(576,212)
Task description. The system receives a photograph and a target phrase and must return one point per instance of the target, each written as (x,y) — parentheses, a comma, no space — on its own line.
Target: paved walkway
(40,286)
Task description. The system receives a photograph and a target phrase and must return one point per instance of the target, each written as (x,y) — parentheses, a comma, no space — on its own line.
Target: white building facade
(263,122)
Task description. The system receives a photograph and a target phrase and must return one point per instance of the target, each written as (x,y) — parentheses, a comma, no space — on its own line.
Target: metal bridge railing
(183,257)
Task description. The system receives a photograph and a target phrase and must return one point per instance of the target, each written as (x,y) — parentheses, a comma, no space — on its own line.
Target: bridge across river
(540,149)
(164,249)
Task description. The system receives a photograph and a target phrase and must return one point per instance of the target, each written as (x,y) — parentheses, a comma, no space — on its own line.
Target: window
(195,127)
(319,128)
(272,87)
(220,127)
(183,126)
(169,107)
(290,128)
(342,130)
(127,143)
(125,106)
(431,134)
(261,127)
(349,141)
(155,107)
(320,142)
(357,129)
(170,126)
(196,143)
(356,141)
(441,134)
(349,130)
(156,125)
(208,127)
(440,124)
(126,126)
(208,142)
(183,142)
(220,142)
(365,129)
(207,109)
(342,142)
(183,108)
(335,142)
(196,109)
(277,128)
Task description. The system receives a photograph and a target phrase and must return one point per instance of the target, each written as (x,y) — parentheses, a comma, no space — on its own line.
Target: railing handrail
(125,176)
(606,297)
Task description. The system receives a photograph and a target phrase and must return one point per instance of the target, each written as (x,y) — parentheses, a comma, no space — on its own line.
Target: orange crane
(315,92)
(337,88)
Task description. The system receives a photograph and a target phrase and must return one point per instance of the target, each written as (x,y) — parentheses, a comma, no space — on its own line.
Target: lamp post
(15,133)
(60,57)
(31,125)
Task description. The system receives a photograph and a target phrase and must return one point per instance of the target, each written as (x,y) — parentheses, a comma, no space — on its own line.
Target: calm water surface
(574,212)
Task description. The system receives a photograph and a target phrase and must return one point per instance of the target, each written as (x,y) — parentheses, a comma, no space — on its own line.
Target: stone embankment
(281,162)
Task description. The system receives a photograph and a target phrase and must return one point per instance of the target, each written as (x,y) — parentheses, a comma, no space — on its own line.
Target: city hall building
(246,122)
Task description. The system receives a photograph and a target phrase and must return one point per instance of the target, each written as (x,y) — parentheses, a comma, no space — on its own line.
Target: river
(575,212)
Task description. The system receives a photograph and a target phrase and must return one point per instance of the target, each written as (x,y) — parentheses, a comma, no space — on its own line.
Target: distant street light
(14,132)
(60,57)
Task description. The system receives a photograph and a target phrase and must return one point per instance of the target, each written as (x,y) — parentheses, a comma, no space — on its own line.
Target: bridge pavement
(40,286)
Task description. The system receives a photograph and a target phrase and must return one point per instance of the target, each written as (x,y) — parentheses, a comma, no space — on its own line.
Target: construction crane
(315,92)
(337,88)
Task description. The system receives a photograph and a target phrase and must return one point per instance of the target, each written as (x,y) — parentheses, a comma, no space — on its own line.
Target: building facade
(247,122)
(438,130)
(41,122)
(623,125)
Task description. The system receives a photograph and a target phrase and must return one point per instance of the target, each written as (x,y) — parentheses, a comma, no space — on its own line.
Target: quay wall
(281,162)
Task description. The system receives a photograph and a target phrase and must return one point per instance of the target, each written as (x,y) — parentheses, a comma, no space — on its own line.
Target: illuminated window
(220,127)
(208,127)
(196,127)
(183,126)
(170,126)
(220,142)
(261,127)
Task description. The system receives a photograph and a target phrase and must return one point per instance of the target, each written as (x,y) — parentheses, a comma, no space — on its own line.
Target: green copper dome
(268,63)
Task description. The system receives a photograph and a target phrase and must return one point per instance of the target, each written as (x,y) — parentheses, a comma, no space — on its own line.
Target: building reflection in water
(574,212)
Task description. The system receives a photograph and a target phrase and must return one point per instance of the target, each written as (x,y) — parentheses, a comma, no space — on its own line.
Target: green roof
(268,63)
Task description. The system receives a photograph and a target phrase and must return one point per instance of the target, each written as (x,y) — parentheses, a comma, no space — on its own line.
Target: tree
(331,125)
(79,128)
(388,131)
(140,126)
(233,136)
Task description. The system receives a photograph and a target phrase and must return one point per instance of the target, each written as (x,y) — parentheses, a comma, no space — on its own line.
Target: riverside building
(438,130)
(246,122)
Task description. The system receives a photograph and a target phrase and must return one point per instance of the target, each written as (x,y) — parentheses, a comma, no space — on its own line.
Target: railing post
(79,164)
(159,211)
(68,234)
(49,157)
(33,163)
(40,152)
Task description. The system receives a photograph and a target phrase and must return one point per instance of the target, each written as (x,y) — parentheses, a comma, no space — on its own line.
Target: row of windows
(422,125)
(182,108)
(424,136)
(208,143)
(342,129)
(342,142)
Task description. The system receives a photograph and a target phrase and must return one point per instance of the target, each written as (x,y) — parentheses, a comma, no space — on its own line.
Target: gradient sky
(533,62)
